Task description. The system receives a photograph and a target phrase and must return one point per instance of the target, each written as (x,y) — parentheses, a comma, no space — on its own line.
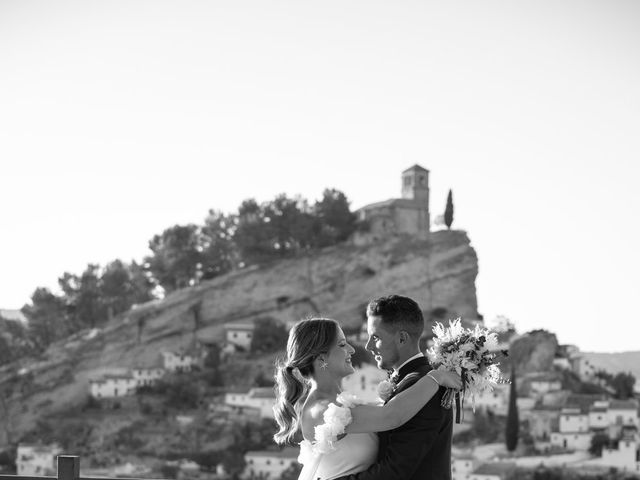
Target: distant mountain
(617,362)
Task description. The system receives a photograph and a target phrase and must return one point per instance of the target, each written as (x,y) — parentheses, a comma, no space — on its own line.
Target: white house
(269,464)
(625,457)
(262,399)
(573,420)
(574,432)
(583,367)
(542,422)
(178,362)
(543,383)
(146,376)
(623,413)
(37,460)
(461,468)
(239,334)
(109,386)
(364,382)
(495,400)
(599,415)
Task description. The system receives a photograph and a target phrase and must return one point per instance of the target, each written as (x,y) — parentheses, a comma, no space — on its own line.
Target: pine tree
(448,210)
(513,421)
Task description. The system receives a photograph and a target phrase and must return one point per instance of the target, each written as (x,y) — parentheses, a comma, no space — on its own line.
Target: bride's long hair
(307,339)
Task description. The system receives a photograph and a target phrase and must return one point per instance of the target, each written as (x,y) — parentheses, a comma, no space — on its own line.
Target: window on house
(407,181)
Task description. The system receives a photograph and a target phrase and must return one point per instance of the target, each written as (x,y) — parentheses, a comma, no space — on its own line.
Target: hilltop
(336,282)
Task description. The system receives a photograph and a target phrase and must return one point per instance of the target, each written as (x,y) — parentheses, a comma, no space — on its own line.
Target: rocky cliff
(336,282)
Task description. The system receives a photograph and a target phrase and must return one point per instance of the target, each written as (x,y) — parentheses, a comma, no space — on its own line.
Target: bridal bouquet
(472,354)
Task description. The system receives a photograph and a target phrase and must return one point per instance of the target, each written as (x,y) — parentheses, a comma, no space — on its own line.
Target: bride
(338,429)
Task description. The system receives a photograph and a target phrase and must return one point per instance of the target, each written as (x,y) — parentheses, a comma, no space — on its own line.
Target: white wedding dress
(328,458)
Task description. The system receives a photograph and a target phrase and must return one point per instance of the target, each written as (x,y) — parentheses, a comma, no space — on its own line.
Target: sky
(120,119)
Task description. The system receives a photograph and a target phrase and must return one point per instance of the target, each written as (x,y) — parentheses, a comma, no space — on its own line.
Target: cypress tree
(448,211)
(511,434)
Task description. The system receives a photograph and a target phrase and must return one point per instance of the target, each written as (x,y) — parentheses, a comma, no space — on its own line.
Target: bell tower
(415,185)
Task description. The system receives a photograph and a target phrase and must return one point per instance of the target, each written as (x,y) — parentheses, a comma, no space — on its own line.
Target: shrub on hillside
(269,335)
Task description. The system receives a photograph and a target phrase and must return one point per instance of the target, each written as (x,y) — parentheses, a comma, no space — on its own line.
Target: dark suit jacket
(421,448)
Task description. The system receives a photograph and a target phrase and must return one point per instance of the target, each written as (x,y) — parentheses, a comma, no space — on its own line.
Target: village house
(261,399)
(269,464)
(146,376)
(626,457)
(462,467)
(37,460)
(495,400)
(239,334)
(112,385)
(541,383)
(542,420)
(178,362)
(364,382)
(579,421)
(574,432)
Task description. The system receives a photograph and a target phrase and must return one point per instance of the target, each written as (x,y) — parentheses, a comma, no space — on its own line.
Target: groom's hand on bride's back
(447,379)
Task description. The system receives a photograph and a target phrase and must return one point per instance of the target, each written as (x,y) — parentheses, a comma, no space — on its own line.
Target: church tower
(415,185)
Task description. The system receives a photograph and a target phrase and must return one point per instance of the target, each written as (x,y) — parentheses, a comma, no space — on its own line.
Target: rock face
(337,282)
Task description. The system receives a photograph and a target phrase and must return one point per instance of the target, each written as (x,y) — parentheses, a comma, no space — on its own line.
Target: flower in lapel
(386,389)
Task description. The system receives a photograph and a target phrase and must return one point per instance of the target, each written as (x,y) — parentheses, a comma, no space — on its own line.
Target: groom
(421,448)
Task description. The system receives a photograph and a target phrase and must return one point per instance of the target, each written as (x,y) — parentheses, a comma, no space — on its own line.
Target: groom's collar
(403,369)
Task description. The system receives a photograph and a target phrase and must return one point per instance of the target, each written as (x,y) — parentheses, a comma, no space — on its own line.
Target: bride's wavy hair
(307,340)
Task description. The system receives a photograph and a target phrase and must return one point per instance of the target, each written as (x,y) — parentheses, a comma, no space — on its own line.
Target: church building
(406,215)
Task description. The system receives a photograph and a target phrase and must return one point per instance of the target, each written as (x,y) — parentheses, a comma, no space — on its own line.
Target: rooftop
(415,167)
(287,453)
(262,392)
(239,326)
(623,405)
(495,468)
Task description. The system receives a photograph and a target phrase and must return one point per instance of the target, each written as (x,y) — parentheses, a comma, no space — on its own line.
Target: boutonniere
(386,389)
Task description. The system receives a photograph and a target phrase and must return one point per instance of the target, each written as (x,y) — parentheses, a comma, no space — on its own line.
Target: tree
(598,442)
(253,233)
(176,256)
(47,315)
(448,211)
(83,297)
(269,335)
(513,422)
(335,221)
(623,384)
(219,253)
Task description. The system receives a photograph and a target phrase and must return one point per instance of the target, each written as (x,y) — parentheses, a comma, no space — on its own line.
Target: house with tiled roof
(178,361)
(37,459)
(261,399)
(239,334)
(112,385)
(269,463)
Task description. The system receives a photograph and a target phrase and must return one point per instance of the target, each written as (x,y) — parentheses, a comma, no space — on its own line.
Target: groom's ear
(403,336)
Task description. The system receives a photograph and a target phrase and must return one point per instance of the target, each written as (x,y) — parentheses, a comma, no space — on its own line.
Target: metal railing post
(68,467)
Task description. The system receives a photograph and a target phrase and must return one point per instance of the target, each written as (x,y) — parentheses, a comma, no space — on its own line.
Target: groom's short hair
(398,312)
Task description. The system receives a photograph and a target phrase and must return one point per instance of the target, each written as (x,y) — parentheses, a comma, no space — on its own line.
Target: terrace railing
(68,469)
